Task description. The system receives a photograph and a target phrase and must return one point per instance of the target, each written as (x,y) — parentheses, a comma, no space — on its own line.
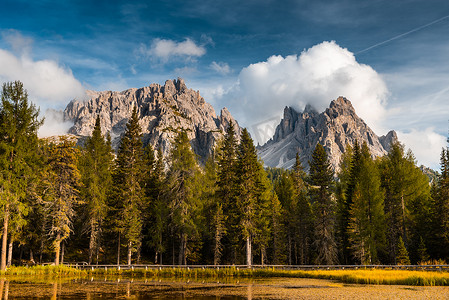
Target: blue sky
(390,58)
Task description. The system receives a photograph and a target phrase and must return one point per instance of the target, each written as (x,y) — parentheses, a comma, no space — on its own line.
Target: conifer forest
(61,202)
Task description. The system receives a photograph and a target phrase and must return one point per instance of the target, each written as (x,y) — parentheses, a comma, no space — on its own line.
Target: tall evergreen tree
(343,207)
(321,179)
(96,173)
(61,195)
(127,182)
(18,144)
(227,188)
(405,187)
(303,211)
(248,172)
(157,215)
(182,191)
(366,222)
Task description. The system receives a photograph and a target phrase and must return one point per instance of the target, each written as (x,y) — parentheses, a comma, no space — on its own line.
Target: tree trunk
(129,253)
(289,249)
(118,250)
(57,248)
(97,253)
(62,252)
(248,251)
(91,246)
(155,257)
(11,242)
(5,237)
(32,257)
(182,250)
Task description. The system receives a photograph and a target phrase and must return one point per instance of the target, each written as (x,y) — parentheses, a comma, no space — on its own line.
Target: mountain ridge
(162,109)
(334,128)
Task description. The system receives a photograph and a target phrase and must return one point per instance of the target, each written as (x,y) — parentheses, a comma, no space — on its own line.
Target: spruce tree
(18,145)
(321,179)
(183,189)
(227,188)
(343,207)
(128,191)
(303,233)
(96,173)
(402,253)
(365,227)
(248,172)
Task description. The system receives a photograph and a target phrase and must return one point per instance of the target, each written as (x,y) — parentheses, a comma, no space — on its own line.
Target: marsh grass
(44,270)
(360,276)
(371,276)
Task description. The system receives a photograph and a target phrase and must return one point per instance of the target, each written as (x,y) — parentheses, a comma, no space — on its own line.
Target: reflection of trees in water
(54,295)
(250,292)
(4,289)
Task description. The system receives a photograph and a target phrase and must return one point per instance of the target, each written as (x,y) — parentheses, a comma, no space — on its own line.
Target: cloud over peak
(316,77)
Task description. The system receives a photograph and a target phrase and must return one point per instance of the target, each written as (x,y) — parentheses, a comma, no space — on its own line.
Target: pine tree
(129,193)
(343,207)
(96,173)
(157,214)
(227,192)
(365,227)
(321,179)
(402,253)
(182,191)
(405,187)
(303,213)
(18,144)
(423,257)
(62,181)
(248,171)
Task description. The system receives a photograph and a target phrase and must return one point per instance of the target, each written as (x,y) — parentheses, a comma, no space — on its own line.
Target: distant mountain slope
(162,111)
(334,128)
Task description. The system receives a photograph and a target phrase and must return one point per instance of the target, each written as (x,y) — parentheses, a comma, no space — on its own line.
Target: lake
(163,288)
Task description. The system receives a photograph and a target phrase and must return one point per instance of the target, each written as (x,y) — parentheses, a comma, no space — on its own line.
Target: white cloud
(54,124)
(425,144)
(47,82)
(220,67)
(317,76)
(166,49)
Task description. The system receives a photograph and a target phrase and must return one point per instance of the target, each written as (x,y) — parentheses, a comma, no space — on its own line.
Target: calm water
(154,288)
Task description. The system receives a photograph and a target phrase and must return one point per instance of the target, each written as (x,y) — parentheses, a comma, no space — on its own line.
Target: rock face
(335,128)
(163,110)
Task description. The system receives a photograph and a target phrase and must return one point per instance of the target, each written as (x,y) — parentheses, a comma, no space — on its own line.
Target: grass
(368,276)
(43,270)
(384,277)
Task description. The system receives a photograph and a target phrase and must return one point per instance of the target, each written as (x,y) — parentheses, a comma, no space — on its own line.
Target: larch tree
(405,185)
(128,190)
(96,164)
(321,179)
(62,181)
(19,122)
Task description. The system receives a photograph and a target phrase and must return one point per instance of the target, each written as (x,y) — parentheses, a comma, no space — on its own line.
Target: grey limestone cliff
(334,128)
(163,110)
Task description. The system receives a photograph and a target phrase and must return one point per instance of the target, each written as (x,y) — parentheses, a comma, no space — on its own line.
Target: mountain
(162,111)
(334,128)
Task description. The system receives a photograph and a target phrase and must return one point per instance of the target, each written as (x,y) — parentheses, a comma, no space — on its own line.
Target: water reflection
(112,288)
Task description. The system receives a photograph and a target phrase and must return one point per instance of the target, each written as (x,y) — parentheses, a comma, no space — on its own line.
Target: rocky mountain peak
(163,111)
(334,128)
